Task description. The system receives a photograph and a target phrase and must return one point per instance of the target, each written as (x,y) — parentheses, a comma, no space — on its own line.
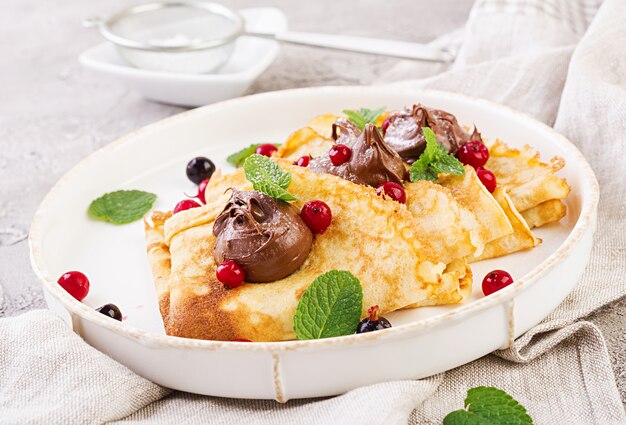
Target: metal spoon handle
(376,46)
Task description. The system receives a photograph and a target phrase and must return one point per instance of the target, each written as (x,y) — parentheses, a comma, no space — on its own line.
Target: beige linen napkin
(542,57)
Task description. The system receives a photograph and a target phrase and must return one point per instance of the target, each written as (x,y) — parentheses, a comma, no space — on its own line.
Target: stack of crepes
(405,256)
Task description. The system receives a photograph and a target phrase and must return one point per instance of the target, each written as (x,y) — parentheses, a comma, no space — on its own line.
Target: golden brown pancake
(372,237)
(529,182)
(520,238)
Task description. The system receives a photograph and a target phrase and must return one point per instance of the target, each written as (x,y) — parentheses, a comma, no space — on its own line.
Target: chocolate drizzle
(404,133)
(265,236)
(372,162)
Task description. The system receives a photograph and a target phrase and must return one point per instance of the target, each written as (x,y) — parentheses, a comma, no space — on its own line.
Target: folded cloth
(49,375)
(540,56)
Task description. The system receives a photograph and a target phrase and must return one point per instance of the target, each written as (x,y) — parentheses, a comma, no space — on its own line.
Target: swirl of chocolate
(265,236)
(372,162)
(404,133)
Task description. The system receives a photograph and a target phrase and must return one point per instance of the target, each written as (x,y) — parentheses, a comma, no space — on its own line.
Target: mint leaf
(237,158)
(448,164)
(267,177)
(489,406)
(363,116)
(122,206)
(434,160)
(331,306)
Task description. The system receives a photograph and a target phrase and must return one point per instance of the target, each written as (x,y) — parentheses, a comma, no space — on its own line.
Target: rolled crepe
(372,237)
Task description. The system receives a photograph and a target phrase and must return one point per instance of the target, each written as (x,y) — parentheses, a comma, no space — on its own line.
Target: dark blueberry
(372,323)
(200,168)
(111,310)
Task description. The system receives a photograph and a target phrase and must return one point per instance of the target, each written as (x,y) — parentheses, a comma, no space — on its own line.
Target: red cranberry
(201,189)
(393,190)
(75,283)
(303,161)
(185,205)
(266,149)
(340,154)
(241,340)
(487,178)
(496,280)
(473,153)
(316,215)
(385,125)
(230,274)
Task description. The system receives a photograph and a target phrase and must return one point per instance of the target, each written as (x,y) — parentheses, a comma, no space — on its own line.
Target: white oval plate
(422,342)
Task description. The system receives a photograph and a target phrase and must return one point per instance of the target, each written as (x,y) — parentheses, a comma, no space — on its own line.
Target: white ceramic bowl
(422,342)
(249,59)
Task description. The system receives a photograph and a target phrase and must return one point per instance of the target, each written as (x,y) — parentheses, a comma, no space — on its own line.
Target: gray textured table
(53,113)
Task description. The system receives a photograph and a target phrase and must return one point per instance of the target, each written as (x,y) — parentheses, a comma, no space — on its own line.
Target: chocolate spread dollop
(265,236)
(372,162)
(404,133)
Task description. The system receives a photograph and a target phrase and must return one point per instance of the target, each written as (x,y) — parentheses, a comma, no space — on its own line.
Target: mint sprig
(236,159)
(267,177)
(331,306)
(434,160)
(489,406)
(363,116)
(122,206)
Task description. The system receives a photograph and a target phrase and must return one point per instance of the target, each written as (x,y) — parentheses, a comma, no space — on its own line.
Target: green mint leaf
(434,160)
(363,116)
(122,206)
(356,118)
(237,158)
(448,164)
(489,406)
(331,306)
(267,177)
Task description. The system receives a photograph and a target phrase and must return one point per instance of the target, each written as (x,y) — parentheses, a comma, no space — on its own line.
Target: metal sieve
(195,36)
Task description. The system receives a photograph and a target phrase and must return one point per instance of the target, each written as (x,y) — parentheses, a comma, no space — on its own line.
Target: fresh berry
(201,189)
(487,178)
(200,168)
(185,204)
(393,190)
(111,310)
(473,153)
(303,161)
(340,154)
(373,323)
(385,125)
(75,283)
(241,340)
(496,280)
(266,149)
(316,215)
(230,274)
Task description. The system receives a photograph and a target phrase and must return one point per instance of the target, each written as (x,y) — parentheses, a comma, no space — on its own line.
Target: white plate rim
(585,220)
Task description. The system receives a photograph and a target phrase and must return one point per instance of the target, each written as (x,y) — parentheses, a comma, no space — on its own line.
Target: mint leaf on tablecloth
(363,116)
(331,306)
(267,177)
(434,160)
(122,206)
(489,406)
